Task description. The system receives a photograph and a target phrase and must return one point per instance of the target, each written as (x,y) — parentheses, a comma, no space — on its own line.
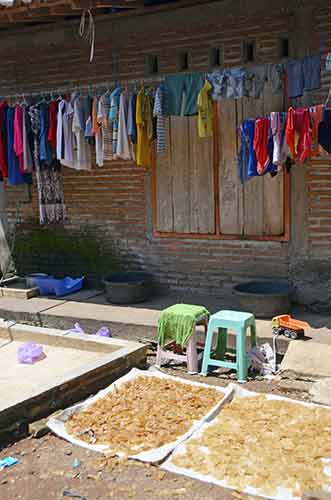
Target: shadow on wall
(62,252)
(311,285)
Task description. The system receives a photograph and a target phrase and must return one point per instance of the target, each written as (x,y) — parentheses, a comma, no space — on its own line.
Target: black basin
(264,299)
(128,288)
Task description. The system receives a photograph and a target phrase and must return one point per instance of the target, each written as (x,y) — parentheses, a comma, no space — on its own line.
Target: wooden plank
(179,137)
(253,189)
(230,190)
(164,209)
(201,181)
(273,187)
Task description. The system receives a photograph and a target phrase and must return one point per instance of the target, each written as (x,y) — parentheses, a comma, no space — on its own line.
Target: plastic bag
(103,332)
(76,329)
(30,353)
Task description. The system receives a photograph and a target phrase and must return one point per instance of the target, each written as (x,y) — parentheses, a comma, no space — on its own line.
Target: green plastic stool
(223,321)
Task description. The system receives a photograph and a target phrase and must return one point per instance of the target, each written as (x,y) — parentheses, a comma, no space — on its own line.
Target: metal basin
(128,288)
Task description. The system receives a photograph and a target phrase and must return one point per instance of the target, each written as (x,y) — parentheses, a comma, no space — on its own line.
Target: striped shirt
(159,112)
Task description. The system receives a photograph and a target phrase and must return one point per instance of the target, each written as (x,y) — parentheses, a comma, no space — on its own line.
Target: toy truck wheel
(288,334)
(293,335)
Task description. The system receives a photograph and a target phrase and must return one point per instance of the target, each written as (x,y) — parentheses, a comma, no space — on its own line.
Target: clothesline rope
(91,87)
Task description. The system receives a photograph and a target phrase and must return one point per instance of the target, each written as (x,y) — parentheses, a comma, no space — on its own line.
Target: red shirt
(260,144)
(3,142)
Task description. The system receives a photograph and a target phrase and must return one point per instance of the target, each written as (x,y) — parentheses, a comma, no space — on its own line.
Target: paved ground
(91,309)
(46,469)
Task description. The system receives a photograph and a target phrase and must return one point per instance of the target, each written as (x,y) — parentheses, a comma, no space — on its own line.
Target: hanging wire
(87,30)
(89,88)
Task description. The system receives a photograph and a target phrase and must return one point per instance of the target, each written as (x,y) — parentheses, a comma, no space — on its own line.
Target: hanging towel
(177,323)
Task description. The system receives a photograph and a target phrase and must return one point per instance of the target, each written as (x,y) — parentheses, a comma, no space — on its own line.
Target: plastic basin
(128,288)
(264,299)
(31,279)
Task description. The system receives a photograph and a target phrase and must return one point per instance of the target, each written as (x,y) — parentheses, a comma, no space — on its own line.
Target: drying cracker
(143,414)
(263,444)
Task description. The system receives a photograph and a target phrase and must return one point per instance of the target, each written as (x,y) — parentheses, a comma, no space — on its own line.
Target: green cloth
(176,323)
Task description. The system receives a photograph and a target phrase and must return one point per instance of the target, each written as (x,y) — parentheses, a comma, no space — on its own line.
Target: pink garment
(18,136)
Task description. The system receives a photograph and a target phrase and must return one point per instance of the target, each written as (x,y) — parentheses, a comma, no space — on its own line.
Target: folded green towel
(176,323)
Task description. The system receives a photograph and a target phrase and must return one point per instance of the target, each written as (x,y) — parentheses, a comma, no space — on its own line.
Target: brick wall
(115,201)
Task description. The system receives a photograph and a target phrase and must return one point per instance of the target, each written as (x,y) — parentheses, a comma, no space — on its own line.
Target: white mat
(235,391)
(57,424)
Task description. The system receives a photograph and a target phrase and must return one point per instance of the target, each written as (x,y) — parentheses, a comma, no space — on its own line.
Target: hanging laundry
(180,85)
(316,116)
(299,133)
(324,131)
(303,75)
(260,144)
(205,112)
(114,115)
(107,131)
(88,101)
(276,75)
(280,150)
(159,112)
(18,136)
(132,126)
(49,181)
(82,153)
(3,139)
(144,129)
(254,81)
(228,84)
(45,152)
(123,146)
(97,131)
(68,136)
(290,132)
(14,174)
(247,163)
(27,142)
(272,168)
(60,146)
(52,130)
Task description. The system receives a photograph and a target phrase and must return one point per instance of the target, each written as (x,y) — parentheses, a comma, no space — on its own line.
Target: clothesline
(100,86)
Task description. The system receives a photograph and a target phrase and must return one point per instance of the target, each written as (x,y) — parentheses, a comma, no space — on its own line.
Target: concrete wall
(115,202)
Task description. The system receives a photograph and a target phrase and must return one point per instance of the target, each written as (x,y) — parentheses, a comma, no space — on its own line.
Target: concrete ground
(23,381)
(91,309)
(46,466)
